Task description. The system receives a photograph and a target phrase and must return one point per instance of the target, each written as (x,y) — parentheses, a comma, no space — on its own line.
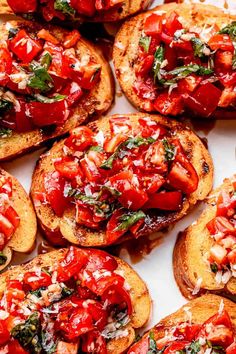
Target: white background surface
(156,268)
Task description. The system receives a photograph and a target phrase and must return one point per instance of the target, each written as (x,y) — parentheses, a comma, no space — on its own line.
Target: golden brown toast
(97,101)
(125,50)
(191,269)
(139,294)
(66,226)
(24,237)
(199,310)
(125,9)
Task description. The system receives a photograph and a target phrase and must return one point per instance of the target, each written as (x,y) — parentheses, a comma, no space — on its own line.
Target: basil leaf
(95,148)
(169,150)
(5,105)
(229,29)
(183,71)
(129,219)
(152,349)
(214,267)
(145,43)
(28,334)
(200,48)
(64,7)
(46,60)
(112,190)
(158,59)
(132,143)
(40,79)
(3,258)
(52,99)
(194,347)
(5,132)
(12,32)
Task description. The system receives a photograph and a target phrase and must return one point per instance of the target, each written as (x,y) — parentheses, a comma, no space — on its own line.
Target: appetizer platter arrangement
(118,177)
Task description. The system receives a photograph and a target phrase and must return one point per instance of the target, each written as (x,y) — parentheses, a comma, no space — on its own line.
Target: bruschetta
(76,10)
(204,325)
(17,219)
(120,176)
(71,301)
(204,257)
(51,81)
(179,58)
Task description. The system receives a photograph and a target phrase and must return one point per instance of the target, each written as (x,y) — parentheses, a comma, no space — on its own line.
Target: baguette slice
(54,227)
(199,310)
(191,269)
(117,13)
(97,101)
(24,237)
(139,294)
(127,41)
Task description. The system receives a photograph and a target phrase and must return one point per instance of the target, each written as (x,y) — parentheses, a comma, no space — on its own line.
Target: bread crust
(24,237)
(96,102)
(200,310)
(190,254)
(128,8)
(82,236)
(139,294)
(127,41)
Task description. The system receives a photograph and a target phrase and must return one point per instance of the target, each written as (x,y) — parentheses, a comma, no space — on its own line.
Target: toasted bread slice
(97,101)
(66,226)
(117,13)
(196,311)
(191,268)
(140,298)
(24,237)
(125,50)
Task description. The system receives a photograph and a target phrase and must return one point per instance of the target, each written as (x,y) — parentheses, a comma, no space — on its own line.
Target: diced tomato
(151,128)
(80,139)
(70,266)
(98,313)
(94,340)
(119,125)
(6,226)
(153,25)
(223,61)
(175,347)
(232,256)
(71,39)
(24,47)
(204,99)
(227,98)
(111,143)
(68,167)
(140,347)
(36,281)
(118,296)
(85,216)
(13,86)
(165,201)
(152,182)
(43,114)
(171,57)
(132,197)
(231,349)
(67,348)
(145,89)
(6,185)
(15,347)
(91,76)
(22,119)
(5,66)
(145,65)
(112,234)
(227,79)
(183,176)
(4,333)
(90,169)
(156,156)
(167,103)
(221,41)
(225,203)
(189,83)
(12,216)
(54,185)
(47,36)
(25,6)
(182,45)
(73,92)
(80,322)
(172,24)
(227,242)
(49,11)
(83,7)
(136,227)
(218,254)
(57,66)
(220,224)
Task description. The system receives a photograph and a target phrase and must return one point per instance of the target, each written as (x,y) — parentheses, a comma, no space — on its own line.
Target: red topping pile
(63,9)
(223,230)
(182,69)
(216,335)
(79,303)
(9,219)
(115,180)
(41,78)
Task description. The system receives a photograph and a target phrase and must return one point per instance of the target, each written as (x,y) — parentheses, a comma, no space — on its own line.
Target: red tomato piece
(12,216)
(4,333)
(204,100)
(167,103)
(225,203)
(54,185)
(165,201)
(49,11)
(71,39)
(6,227)
(153,25)
(80,139)
(90,169)
(85,216)
(175,347)
(171,57)
(189,84)
(84,7)
(145,65)
(98,313)
(74,260)
(15,347)
(98,259)
(5,65)
(25,6)
(136,227)
(80,322)
(94,340)
(221,41)
(227,79)
(24,47)
(36,281)
(6,185)
(111,143)
(112,234)
(47,36)
(43,114)
(91,76)
(119,125)
(218,254)
(183,176)
(140,347)
(231,349)
(132,197)
(172,24)
(151,183)
(151,128)
(73,92)
(232,255)
(223,61)
(222,225)
(68,167)
(118,296)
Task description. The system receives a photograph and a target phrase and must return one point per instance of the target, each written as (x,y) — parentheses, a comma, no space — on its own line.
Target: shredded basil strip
(3,258)
(200,48)
(152,349)
(183,71)
(158,59)
(129,219)
(5,132)
(41,80)
(52,99)
(169,150)
(214,267)
(145,42)
(64,7)
(231,31)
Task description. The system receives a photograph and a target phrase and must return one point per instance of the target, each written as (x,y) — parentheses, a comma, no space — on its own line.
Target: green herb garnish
(231,31)
(145,43)
(95,148)
(169,150)
(52,99)
(129,219)
(12,32)
(152,349)
(5,105)
(183,71)
(64,7)
(40,80)
(158,59)
(214,267)
(200,48)
(194,347)
(5,132)
(3,258)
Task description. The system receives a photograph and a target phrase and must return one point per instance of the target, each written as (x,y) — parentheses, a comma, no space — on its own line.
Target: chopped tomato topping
(167,103)
(222,42)
(71,39)
(5,66)
(153,25)
(54,185)
(80,139)
(25,6)
(165,201)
